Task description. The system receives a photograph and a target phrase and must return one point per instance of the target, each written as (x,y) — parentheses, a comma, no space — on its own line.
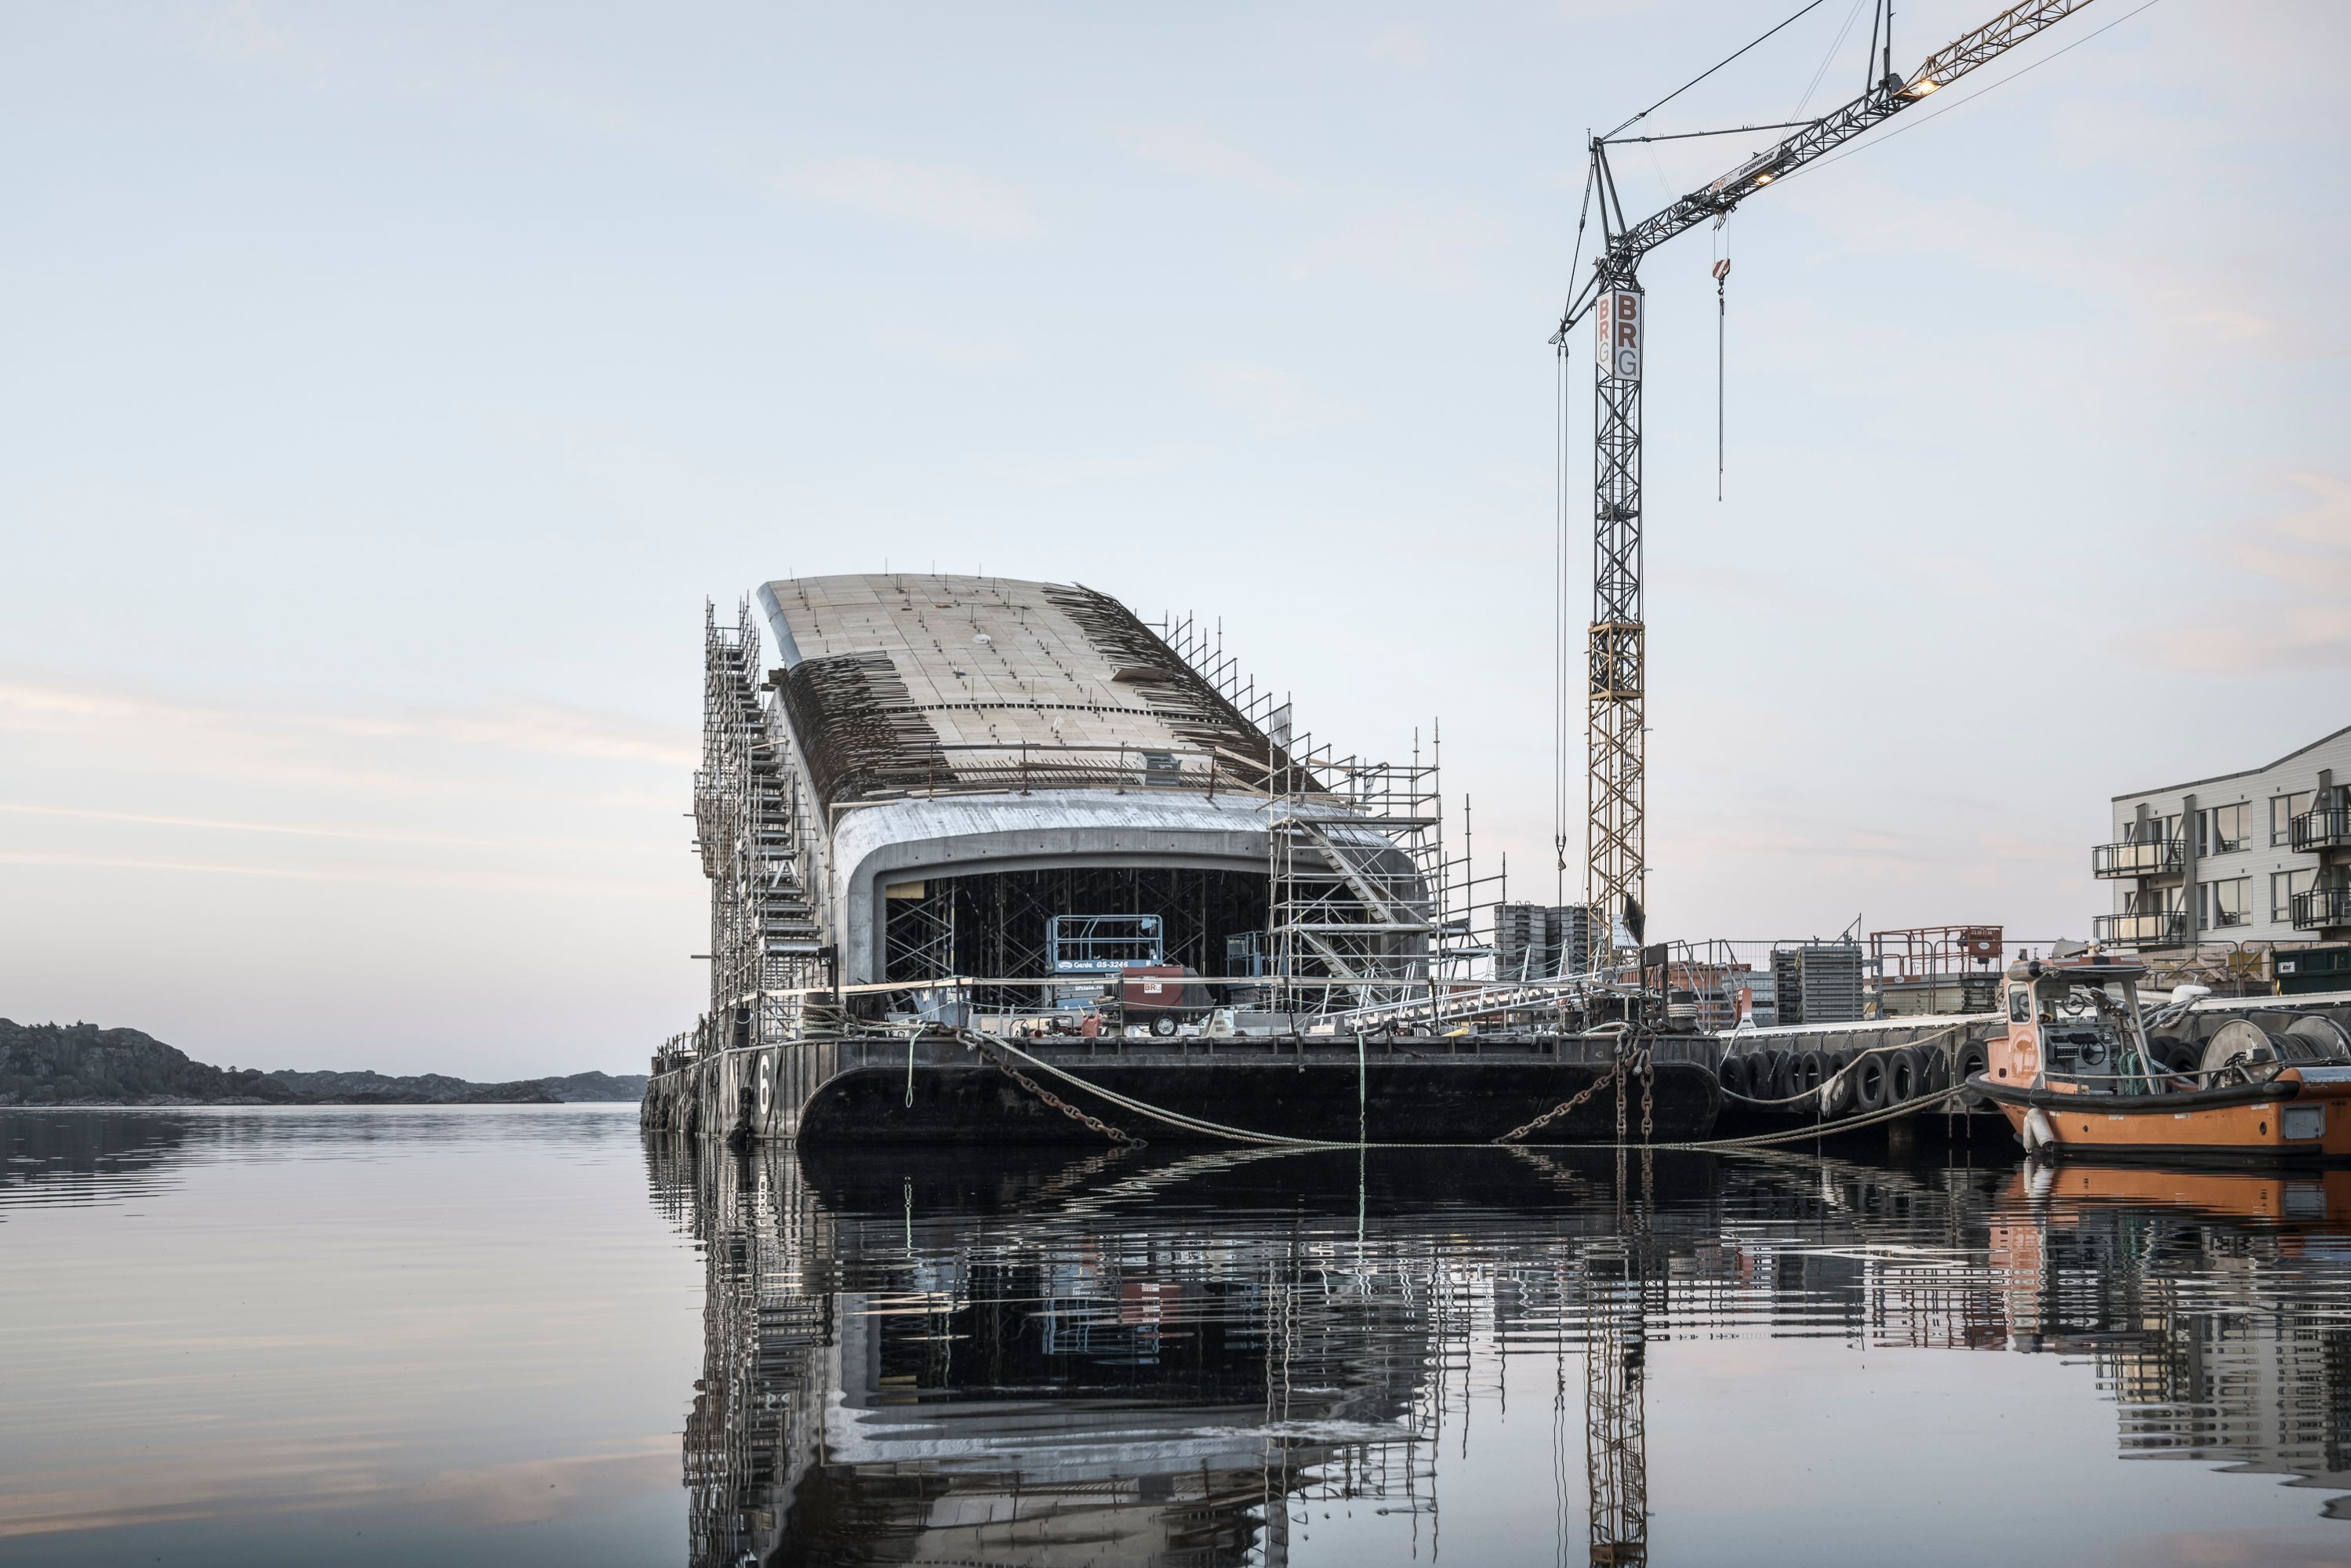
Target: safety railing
(2151,928)
(2138,857)
(1021,768)
(2321,907)
(2325,828)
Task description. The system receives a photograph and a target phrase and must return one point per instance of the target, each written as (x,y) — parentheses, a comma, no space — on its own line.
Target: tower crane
(1615,657)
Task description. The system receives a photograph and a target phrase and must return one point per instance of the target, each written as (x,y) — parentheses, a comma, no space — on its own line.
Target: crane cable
(1909,124)
(1709,70)
(1559,574)
(1721,270)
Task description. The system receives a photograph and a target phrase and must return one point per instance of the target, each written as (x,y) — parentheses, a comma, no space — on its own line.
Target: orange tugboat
(2079,1073)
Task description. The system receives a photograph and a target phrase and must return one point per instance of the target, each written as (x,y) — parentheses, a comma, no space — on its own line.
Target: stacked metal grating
(1542,942)
(1818,982)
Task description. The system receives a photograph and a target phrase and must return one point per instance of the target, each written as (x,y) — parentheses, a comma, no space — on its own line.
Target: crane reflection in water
(1196,1359)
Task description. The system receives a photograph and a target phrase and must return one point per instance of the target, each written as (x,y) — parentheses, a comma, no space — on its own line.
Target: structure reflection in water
(924,1356)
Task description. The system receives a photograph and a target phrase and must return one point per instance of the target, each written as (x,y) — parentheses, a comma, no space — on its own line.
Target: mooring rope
(1156,1113)
(1823,1086)
(1276,1140)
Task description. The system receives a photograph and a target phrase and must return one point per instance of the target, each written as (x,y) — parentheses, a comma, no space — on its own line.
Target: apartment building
(2262,856)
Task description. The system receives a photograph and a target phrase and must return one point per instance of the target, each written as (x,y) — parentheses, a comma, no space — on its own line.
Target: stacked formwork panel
(1542,942)
(1818,982)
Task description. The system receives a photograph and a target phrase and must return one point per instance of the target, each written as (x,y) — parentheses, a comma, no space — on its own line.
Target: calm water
(522,1336)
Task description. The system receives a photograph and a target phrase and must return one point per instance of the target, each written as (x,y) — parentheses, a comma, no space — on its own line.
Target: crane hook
(1721,270)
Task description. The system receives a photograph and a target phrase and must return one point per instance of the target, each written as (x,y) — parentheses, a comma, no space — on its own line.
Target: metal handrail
(2328,827)
(1020,767)
(2138,857)
(2320,907)
(2157,927)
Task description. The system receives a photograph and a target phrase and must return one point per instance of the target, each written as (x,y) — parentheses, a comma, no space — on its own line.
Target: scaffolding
(754,826)
(1360,887)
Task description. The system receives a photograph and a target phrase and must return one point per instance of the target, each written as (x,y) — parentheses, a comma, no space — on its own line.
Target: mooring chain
(1116,1134)
(1616,1076)
(1648,1090)
(1554,1113)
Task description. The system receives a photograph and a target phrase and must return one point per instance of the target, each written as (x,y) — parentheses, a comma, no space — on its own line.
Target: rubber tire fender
(1870,1083)
(1903,1075)
(1807,1074)
(2182,1056)
(1934,1068)
(1836,1098)
(1970,1058)
(1733,1074)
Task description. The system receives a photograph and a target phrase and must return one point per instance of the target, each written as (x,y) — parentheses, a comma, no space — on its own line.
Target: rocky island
(82,1064)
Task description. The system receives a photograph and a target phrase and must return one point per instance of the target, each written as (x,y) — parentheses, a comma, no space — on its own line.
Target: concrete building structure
(914,777)
(2254,859)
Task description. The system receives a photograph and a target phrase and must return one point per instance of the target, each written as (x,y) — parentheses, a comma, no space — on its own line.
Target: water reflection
(914,1356)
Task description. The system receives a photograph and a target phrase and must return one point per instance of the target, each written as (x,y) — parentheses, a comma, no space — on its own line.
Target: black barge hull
(1403,1091)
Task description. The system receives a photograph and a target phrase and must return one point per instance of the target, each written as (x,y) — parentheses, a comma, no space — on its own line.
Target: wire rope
(1829,58)
(1815,6)
(1201,1124)
(1979,92)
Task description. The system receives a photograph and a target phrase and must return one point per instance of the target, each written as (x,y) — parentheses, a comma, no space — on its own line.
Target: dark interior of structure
(993,924)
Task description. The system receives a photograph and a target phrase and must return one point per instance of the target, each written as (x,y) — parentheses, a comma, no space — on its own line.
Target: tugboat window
(2086,1028)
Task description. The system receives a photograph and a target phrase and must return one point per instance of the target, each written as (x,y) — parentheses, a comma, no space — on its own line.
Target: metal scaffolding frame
(1360,885)
(754,820)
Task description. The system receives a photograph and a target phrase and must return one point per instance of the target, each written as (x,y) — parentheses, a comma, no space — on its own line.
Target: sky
(387,389)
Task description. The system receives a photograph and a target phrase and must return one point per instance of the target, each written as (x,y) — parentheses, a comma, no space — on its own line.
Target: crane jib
(1884,99)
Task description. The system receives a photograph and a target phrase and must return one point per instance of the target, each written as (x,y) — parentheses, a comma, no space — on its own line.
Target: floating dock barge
(994,860)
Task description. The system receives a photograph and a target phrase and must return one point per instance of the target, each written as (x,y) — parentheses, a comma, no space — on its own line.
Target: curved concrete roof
(898,684)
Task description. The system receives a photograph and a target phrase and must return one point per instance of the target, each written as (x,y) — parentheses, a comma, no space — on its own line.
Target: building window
(2283,885)
(2153,830)
(2283,809)
(2220,904)
(2221,830)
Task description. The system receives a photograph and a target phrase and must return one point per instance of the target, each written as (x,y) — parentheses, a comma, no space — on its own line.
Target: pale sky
(387,387)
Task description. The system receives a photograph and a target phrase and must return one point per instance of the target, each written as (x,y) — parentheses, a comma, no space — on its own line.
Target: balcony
(2325,828)
(2151,857)
(2154,928)
(2321,906)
